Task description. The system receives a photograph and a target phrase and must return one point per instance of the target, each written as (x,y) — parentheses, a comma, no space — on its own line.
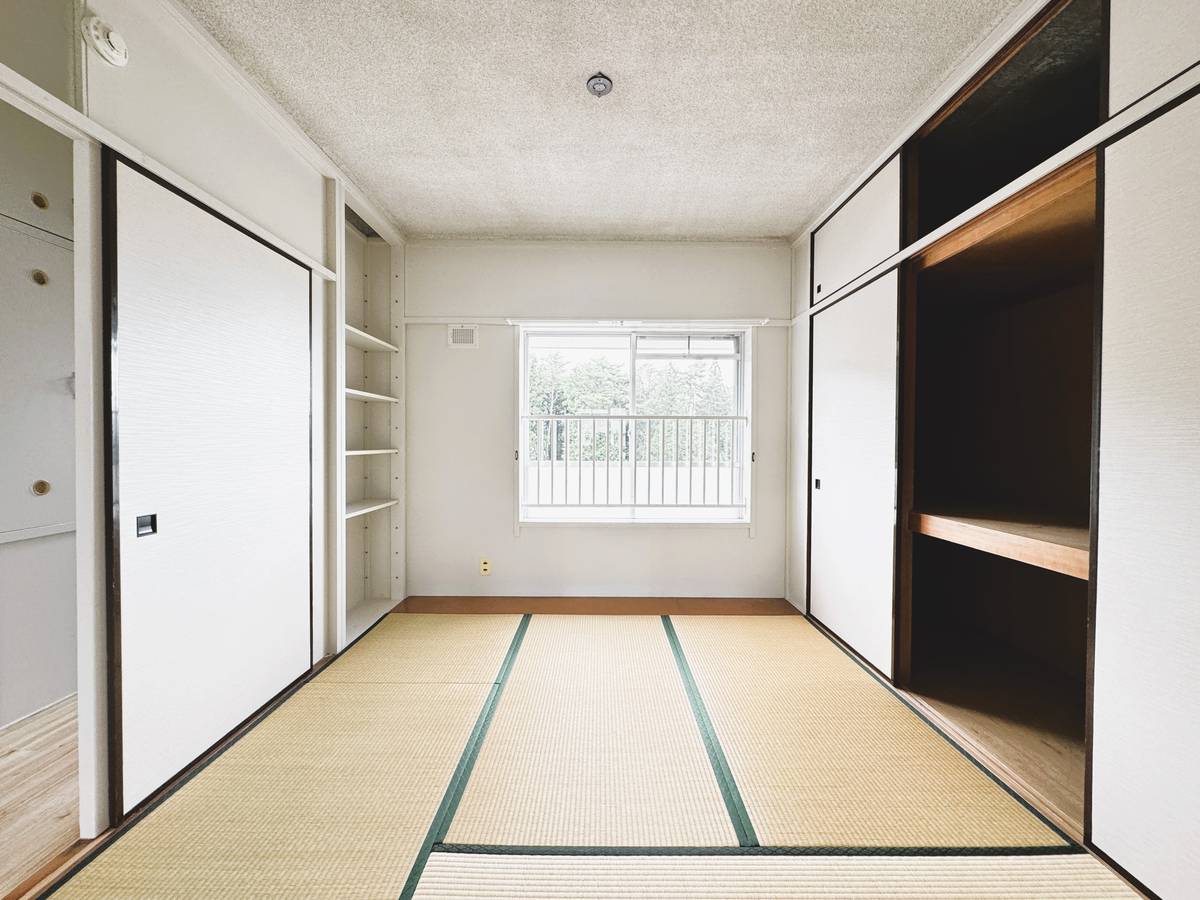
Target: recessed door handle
(817,485)
(147,524)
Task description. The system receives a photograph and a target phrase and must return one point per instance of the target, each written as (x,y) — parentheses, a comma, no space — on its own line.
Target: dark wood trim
(905,456)
(1105,57)
(1030,30)
(112,531)
(813,288)
(854,193)
(812,321)
(602,606)
(1094,510)
(1183,98)
(1152,90)
(1120,871)
(850,651)
(812,269)
(112,537)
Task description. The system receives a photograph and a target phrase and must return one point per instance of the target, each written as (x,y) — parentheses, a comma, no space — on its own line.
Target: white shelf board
(366,613)
(362,507)
(360,340)
(380,452)
(353,394)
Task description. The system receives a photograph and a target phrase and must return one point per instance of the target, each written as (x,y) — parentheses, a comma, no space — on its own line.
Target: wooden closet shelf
(362,507)
(1047,545)
(360,340)
(353,394)
(1061,201)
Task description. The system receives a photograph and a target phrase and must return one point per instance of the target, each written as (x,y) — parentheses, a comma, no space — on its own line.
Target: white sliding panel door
(1145,719)
(854,464)
(211,398)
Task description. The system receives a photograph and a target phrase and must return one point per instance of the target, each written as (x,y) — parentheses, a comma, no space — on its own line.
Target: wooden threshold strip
(1057,547)
(603,606)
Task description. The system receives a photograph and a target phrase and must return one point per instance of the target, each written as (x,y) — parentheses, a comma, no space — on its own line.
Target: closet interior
(372,473)
(998,473)
(1043,91)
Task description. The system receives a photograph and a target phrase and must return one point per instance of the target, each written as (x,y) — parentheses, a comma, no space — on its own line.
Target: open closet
(371,470)
(1000,386)
(996,427)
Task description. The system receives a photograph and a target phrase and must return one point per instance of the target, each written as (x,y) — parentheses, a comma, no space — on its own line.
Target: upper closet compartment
(1039,94)
(863,231)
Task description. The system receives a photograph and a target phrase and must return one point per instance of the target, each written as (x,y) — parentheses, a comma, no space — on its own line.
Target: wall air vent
(462,337)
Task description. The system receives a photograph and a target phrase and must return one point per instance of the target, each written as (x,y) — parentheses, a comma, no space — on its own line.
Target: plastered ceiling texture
(728,120)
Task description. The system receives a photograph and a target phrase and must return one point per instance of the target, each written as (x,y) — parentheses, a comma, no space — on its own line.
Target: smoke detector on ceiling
(599,84)
(109,44)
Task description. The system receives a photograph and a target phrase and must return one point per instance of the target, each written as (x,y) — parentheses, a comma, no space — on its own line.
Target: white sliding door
(1145,724)
(854,462)
(211,418)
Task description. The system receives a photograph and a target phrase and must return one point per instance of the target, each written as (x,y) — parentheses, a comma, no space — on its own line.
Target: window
(620,426)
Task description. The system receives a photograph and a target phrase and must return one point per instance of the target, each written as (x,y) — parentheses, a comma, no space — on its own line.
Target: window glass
(686,387)
(573,375)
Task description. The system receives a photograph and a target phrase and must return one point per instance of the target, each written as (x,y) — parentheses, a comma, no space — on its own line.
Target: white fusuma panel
(854,459)
(211,391)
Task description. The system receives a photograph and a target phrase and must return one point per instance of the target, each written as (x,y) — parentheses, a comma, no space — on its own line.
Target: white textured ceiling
(728,120)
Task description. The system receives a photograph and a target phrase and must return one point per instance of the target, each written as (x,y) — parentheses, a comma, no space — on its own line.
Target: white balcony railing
(599,461)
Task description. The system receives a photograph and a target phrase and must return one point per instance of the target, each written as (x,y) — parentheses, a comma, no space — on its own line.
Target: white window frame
(640,514)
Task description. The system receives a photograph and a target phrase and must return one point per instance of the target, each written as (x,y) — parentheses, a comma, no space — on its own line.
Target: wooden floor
(603,606)
(1021,720)
(39,784)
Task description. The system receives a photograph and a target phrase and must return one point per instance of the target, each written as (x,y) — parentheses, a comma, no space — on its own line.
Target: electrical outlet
(485,567)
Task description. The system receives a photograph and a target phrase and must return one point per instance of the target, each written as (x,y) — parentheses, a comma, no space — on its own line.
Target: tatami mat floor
(592,756)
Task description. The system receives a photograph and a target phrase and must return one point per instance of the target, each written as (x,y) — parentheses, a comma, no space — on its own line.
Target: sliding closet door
(1146,730)
(210,395)
(854,469)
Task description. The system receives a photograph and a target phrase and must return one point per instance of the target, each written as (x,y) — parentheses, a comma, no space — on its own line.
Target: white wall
(797,501)
(176,102)
(597,279)
(37,624)
(462,407)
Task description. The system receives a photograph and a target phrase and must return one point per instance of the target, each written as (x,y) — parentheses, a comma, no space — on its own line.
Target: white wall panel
(854,456)
(35,159)
(865,231)
(36,364)
(1151,41)
(461,500)
(598,279)
(37,624)
(1146,733)
(212,389)
(797,547)
(174,102)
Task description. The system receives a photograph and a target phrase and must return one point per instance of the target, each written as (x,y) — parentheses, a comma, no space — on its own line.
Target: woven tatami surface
(825,756)
(593,743)
(449,876)
(331,795)
(438,649)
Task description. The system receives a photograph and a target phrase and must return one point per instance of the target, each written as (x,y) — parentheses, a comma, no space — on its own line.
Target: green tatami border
(742,825)
(757,850)
(462,772)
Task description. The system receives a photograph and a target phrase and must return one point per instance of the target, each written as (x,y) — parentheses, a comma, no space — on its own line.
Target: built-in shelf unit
(370,460)
(996,425)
